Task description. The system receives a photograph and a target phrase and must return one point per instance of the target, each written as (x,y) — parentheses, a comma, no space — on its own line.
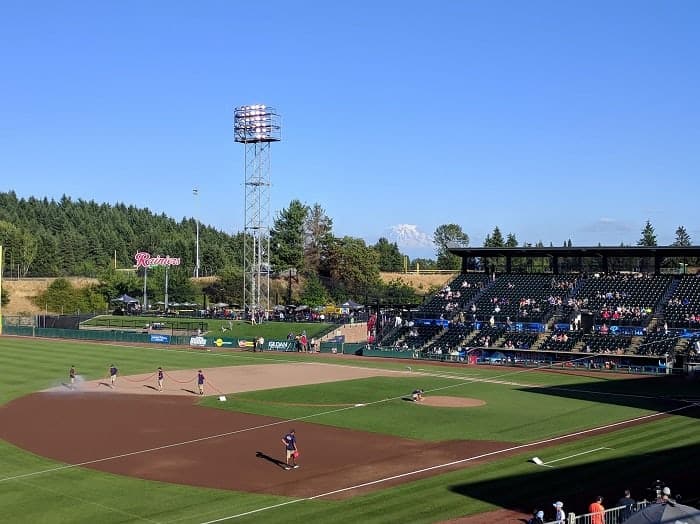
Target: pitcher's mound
(451,402)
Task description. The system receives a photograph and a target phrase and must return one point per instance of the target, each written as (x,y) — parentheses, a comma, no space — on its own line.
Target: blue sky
(550,119)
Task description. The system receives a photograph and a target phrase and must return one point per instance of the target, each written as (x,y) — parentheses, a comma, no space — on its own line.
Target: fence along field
(637,455)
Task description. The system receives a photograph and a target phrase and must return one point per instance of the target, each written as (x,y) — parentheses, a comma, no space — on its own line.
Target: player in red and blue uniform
(290,445)
(200,382)
(160,378)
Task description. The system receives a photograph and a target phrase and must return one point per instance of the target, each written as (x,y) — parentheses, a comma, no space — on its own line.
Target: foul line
(574,455)
(447,464)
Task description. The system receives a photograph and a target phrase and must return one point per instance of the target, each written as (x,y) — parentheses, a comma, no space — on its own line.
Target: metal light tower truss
(256,127)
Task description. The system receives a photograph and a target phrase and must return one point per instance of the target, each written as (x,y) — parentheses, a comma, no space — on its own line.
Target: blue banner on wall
(160,339)
(431,322)
(629,331)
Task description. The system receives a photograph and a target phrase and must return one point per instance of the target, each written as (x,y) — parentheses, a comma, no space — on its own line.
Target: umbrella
(669,513)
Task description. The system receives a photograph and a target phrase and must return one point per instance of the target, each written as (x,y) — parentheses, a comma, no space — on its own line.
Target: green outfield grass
(514,412)
(234,328)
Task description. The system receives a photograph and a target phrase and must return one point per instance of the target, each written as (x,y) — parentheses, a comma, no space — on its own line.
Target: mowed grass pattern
(510,414)
(516,414)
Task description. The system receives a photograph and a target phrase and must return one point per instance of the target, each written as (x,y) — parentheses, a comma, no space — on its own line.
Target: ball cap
(558,504)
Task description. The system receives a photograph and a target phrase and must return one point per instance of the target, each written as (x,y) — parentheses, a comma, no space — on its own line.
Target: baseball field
(93,452)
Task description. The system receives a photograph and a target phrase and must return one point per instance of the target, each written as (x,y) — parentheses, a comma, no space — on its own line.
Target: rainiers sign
(144,259)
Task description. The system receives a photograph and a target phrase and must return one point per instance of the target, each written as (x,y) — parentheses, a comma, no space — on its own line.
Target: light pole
(195,192)
(145,295)
(165,307)
(256,127)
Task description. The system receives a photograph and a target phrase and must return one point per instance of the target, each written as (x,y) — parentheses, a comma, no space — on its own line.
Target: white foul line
(448,464)
(572,456)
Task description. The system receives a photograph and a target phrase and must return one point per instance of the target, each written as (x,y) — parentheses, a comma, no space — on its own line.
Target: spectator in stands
(537,517)
(665,496)
(628,503)
(597,511)
(559,515)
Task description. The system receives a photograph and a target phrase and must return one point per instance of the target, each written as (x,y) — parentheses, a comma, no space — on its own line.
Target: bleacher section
(658,343)
(522,298)
(561,340)
(454,296)
(683,307)
(620,300)
(513,312)
(597,343)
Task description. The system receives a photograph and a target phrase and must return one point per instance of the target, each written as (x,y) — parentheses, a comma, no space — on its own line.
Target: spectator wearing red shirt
(597,511)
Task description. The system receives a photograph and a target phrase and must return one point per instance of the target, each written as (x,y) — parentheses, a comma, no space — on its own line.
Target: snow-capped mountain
(408,235)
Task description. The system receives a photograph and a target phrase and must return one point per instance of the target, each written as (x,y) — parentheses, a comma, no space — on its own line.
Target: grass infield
(521,407)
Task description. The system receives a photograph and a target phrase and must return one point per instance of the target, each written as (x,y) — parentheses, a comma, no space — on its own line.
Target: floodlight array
(256,123)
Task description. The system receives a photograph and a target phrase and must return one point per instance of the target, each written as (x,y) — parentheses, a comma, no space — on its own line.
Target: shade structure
(669,513)
(126,299)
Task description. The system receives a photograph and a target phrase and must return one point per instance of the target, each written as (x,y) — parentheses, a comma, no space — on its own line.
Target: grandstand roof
(590,251)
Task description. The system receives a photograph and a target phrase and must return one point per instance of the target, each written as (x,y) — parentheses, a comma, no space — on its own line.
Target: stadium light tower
(256,127)
(195,192)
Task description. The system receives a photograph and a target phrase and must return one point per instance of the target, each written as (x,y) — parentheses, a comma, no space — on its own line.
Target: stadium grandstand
(603,318)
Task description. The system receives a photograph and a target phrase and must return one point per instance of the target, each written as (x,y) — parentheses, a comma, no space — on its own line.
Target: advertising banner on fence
(220,342)
(198,342)
(160,339)
(280,345)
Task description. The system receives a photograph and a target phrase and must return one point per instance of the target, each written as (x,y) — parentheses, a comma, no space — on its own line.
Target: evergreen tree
(648,238)
(354,268)
(390,258)
(287,237)
(313,293)
(495,239)
(443,235)
(423,263)
(318,235)
(682,238)
(227,288)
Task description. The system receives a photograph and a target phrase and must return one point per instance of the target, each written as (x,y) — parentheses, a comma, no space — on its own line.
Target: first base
(222,398)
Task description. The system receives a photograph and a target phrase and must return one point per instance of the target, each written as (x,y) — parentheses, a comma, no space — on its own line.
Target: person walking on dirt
(71,376)
(160,378)
(200,382)
(290,444)
(113,372)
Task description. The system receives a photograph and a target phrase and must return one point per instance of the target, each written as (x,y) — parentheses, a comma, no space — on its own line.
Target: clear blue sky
(550,119)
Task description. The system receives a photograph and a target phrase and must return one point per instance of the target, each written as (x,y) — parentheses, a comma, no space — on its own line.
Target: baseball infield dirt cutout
(133,429)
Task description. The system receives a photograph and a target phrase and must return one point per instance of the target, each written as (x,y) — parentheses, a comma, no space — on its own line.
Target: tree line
(48,238)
